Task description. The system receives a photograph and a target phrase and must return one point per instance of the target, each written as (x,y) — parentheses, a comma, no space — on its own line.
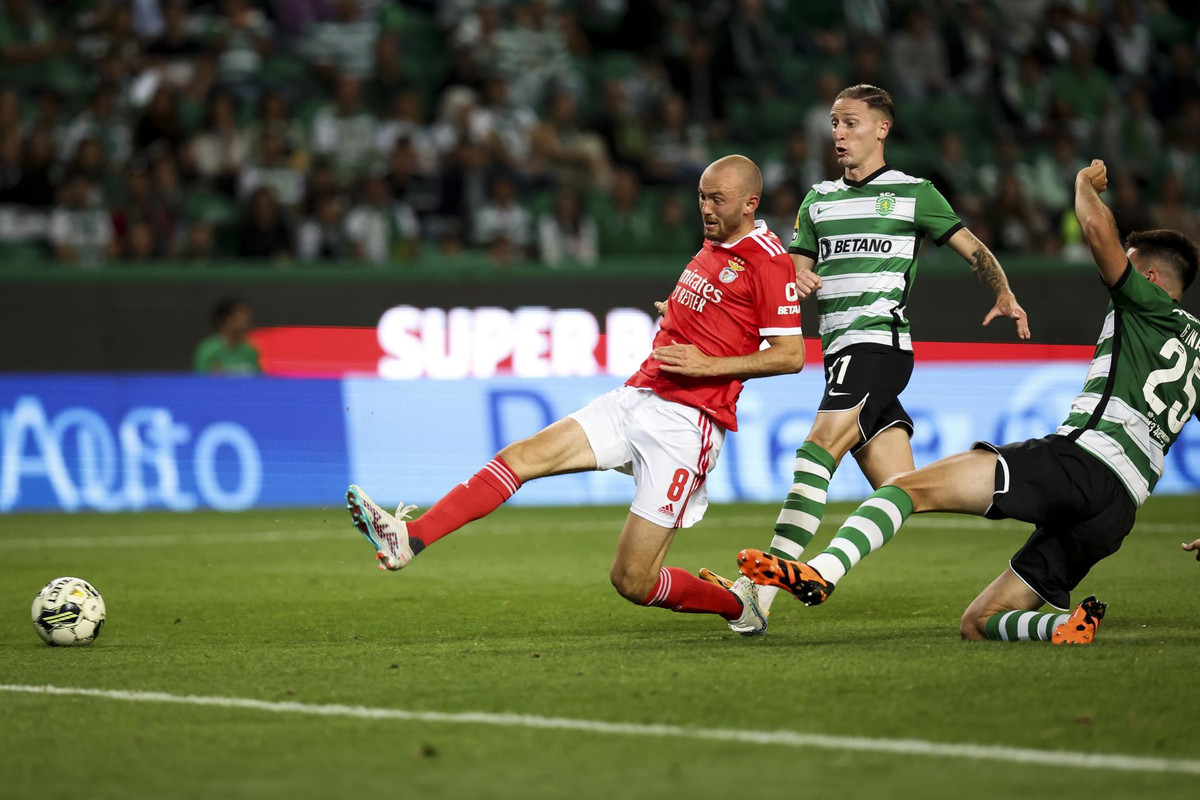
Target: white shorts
(667,447)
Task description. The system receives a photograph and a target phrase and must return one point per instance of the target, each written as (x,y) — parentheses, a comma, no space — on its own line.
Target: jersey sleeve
(1134,291)
(778,304)
(934,216)
(804,235)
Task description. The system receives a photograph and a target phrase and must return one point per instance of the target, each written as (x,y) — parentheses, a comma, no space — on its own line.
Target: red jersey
(730,297)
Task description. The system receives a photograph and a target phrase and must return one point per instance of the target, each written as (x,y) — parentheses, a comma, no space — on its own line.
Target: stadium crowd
(374,131)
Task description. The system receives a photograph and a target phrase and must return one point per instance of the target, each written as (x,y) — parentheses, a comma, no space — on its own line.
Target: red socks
(474,498)
(681,591)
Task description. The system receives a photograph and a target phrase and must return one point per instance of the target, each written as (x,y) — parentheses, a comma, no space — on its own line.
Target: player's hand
(1007,306)
(661,307)
(683,359)
(1096,174)
(1193,547)
(807,282)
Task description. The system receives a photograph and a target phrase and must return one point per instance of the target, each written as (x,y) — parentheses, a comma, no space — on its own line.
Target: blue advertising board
(111,443)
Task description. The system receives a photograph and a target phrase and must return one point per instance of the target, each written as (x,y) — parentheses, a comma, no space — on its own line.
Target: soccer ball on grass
(68,612)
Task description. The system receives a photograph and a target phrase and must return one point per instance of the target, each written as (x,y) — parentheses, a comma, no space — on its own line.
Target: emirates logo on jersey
(729,274)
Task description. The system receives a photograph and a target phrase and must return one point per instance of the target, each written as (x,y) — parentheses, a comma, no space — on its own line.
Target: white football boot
(752,622)
(388,534)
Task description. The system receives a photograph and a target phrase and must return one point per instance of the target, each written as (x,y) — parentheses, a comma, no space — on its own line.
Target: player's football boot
(752,622)
(387,533)
(795,576)
(712,577)
(1082,626)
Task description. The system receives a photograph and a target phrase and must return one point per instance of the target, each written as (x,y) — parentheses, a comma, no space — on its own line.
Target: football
(68,612)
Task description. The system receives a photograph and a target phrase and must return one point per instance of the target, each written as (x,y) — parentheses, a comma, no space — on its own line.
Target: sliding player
(1081,485)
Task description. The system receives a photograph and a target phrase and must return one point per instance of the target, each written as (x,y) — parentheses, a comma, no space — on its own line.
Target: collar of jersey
(867,179)
(759,227)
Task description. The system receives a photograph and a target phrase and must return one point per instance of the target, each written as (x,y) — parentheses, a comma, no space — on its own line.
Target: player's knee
(633,585)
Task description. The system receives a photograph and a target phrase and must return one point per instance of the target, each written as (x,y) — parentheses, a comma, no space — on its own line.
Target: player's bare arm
(985,266)
(1097,223)
(1193,547)
(807,279)
(783,356)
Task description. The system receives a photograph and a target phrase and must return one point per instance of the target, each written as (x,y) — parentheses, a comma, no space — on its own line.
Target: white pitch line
(983,752)
(936,522)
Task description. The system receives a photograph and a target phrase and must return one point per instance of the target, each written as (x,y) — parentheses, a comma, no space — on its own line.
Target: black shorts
(869,377)
(1082,512)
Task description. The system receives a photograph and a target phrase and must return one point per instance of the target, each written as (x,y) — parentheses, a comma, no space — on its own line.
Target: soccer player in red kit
(666,425)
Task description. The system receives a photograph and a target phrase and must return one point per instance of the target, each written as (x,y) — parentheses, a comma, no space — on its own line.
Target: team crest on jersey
(885,204)
(729,274)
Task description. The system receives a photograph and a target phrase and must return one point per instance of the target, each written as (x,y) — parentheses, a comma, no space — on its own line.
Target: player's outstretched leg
(398,540)
(870,527)
(1082,626)
(388,534)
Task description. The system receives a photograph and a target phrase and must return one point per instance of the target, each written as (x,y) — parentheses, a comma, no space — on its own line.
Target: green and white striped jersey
(865,236)
(1142,385)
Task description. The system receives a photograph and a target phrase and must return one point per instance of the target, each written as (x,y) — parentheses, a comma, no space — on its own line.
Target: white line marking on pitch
(491,528)
(1012,755)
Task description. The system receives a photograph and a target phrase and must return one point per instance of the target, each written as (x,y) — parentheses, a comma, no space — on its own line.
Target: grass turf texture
(515,614)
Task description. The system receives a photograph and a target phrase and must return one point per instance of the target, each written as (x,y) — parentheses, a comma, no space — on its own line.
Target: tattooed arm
(990,274)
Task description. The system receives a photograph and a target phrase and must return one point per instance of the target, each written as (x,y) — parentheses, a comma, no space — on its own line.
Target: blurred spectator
(504,218)
(199,243)
(179,58)
(104,121)
(323,237)
(1025,93)
(34,186)
(159,125)
(532,53)
(1132,138)
(274,115)
(1053,175)
(87,159)
(263,234)
(27,40)
(271,169)
(406,185)
(1179,84)
(816,119)
(10,162)
(1126,46)
(1170,211)
(242,42)
(221,147)
(697,77)
(624,132)
(972,48)
(652,80)
(795,167)
(866,64)
(139,243)
(676,228)
(956,177)
(228,352)
(624,226)
(1128,208)
(919,65)
(567,234)
(345,44)
(381,230)
(1015,222)
(1082,90)
(406,119)
(79,232)
(345,131)
(572,155)
(678,147)
(779,209)
(754,46)
(504,127)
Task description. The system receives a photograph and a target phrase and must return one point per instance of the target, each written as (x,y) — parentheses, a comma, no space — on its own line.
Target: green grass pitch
(515,615)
